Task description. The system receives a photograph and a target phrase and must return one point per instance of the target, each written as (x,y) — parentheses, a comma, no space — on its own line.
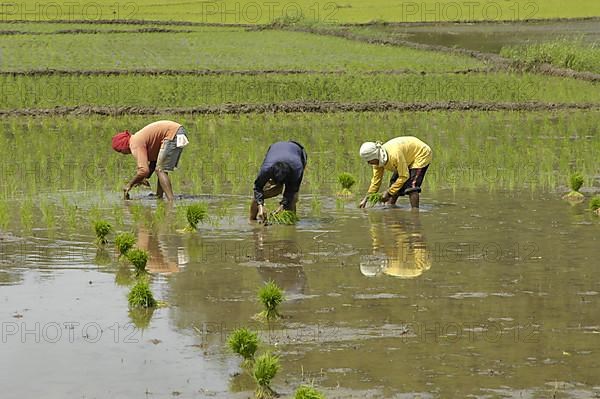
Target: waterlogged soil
(491,37)
(490,295)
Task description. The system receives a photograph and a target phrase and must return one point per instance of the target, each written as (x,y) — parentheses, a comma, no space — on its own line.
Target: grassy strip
(216,49)
(301,107)
(563,53)
(195,91)
(478,150)
(250,12)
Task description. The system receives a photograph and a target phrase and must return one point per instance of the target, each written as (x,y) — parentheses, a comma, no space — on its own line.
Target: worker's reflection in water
(158,257)
(279,258)
(399,248)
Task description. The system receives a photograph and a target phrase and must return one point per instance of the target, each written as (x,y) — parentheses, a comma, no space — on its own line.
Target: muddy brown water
(478,295)
(491,37)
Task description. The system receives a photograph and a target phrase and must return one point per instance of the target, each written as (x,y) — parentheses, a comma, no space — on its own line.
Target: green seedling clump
(102,228)
(139,258)
(265,369)
(307,392)
(575,183)
(346,180)
(243,342)
(595,205)
(141,296)
(374,199)
(195,214)
(283,217)
(124,242)
(271,296)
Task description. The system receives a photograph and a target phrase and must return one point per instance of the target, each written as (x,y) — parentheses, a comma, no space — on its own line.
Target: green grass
(563,53)
(138,258)
(195,213)
(102,228)
(124,242)
(141,296)
(220,49)
(307,392)
(374,199)
(271,296)
(284,217)
(266,367)
(595,203)
(243,342)
(479,150)
(235,12)
(576,181)
(189,91)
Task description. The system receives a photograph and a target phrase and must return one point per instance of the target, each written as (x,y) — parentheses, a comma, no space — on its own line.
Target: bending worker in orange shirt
(156,146)
(407,157)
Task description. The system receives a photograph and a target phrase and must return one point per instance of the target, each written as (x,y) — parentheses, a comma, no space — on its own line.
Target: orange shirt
(145,144)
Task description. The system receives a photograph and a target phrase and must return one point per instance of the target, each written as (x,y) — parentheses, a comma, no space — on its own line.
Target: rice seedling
(26,214)
(243,342)
(195,214)
(47,214)
(138,258)
(124,242)
(595,205)
(266,367)
(4,215)
(307,392)
(141,295)
(575,183)
(346,180)
(271,296)
(374,199)
(283,217)
(102,229)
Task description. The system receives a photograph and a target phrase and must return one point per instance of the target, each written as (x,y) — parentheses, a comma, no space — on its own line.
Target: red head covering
(120,141)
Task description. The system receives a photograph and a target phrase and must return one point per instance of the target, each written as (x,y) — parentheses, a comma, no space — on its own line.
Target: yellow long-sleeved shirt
(404,153)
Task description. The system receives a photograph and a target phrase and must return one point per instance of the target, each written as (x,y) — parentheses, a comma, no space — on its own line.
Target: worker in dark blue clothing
(283,166)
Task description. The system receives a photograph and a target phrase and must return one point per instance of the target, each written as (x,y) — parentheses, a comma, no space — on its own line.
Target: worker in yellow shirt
(407,158)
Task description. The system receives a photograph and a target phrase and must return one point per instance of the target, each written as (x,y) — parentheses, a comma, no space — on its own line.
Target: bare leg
(165,183)
(414,200)
(253,210)
(159,190)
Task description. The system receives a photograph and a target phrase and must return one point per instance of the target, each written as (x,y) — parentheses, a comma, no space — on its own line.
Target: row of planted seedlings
(140,298)
(264,367)
(576,197)
(475,150)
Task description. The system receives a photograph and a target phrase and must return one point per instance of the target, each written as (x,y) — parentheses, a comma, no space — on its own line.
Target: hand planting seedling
(195,214)
(575,183)
(102,228)
(141,295)
(271,296)
(139,258)
(243,342)
(307,392)
(265,368)
(346,180)
(595,205)
(124,242)
(282,217)
(373,199)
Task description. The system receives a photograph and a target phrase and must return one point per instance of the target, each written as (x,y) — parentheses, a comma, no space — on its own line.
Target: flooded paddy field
(491,290)
(497,291)
(488,37)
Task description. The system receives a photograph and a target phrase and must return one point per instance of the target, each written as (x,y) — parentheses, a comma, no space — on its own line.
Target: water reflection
(279,258)
(399,247)
(158,257)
